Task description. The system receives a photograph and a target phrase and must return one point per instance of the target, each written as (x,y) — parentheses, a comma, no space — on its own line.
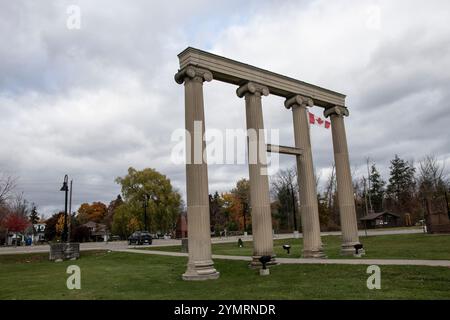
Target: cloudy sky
(93,101)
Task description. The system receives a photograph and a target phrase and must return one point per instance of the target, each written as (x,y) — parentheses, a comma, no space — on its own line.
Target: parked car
(140,237)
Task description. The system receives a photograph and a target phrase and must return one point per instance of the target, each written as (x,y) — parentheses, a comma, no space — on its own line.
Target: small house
(383,219)
(97,231)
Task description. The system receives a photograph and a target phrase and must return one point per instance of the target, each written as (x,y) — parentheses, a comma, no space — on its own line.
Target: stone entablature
(234,72)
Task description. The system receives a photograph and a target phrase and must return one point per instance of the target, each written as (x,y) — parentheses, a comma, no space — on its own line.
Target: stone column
(259,182)
(312,244)
(349,224)
(200,265)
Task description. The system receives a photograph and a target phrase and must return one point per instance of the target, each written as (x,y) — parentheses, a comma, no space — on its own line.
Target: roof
(96,227)
(372,216)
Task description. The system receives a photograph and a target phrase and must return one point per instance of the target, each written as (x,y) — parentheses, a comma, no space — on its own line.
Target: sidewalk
(382,262)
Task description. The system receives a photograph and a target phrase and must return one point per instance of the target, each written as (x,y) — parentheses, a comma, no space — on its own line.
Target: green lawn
(404,246)
(113,275)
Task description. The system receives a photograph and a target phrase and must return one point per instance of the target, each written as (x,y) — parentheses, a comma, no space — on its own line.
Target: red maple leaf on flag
(312,118)
(321,122)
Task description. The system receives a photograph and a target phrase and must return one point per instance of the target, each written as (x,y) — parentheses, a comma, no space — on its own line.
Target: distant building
(381,220)
(97,231)
(39,233)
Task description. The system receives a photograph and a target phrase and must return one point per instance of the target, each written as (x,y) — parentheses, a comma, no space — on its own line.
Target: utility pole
(368,179)
(70,210)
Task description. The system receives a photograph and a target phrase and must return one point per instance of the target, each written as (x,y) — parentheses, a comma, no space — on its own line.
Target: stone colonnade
(200,265)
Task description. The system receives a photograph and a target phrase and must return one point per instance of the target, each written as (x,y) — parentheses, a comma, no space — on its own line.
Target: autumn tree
(50,226)
(242,194)
(128,218)
(112,207)
(94,212)
(163,203)
(60,225)
(232,210)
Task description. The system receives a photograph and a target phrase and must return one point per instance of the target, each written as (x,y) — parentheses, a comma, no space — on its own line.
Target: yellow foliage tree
(60,225)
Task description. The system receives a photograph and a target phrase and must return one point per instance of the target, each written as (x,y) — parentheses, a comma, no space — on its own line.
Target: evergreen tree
(376,189)
(34,216)
(217,215)
(401,185)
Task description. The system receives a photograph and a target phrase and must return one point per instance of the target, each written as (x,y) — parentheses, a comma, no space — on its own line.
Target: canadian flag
(321,122)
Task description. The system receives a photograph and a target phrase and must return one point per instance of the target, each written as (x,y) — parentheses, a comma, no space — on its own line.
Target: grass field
(113,275)
(404,246)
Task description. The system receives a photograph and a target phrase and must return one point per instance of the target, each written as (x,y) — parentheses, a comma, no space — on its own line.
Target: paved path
(382,262)
(115,245)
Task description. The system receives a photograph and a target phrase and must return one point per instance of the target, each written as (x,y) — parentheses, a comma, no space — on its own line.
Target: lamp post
(65,188)
(146,198)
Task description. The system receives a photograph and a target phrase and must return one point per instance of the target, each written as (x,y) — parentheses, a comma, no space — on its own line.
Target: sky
(92,99)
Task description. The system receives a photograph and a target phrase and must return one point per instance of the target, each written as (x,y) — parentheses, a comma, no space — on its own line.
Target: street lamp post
(65,188)
(146,198)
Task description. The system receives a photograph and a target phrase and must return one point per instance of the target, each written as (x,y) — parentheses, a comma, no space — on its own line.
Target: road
(123,245)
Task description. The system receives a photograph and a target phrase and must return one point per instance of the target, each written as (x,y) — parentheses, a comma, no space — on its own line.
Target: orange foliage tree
(92,212)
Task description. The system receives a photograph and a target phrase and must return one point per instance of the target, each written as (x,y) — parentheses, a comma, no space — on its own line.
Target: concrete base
(296,235)
(201,271)
(256,264)
(264,272)
(200,277)
(314,254)
(64,251)
(349,249)
(360,254)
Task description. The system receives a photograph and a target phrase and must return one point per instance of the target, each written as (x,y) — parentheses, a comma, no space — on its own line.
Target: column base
(256,264)
(201,271)
(348,249)
(315,254)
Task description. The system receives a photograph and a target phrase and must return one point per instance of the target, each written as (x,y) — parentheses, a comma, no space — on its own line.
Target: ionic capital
(337,110)
(253,88)
(194,73)
(298,101)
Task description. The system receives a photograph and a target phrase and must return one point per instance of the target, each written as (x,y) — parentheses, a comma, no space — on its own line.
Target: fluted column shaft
(312,244)
(259,183)
(200,265)
(349,224)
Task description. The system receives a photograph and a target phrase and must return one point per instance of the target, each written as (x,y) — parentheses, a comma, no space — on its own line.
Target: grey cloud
(96,101)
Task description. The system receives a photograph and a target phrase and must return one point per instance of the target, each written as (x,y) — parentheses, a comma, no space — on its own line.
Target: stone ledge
(64,251)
